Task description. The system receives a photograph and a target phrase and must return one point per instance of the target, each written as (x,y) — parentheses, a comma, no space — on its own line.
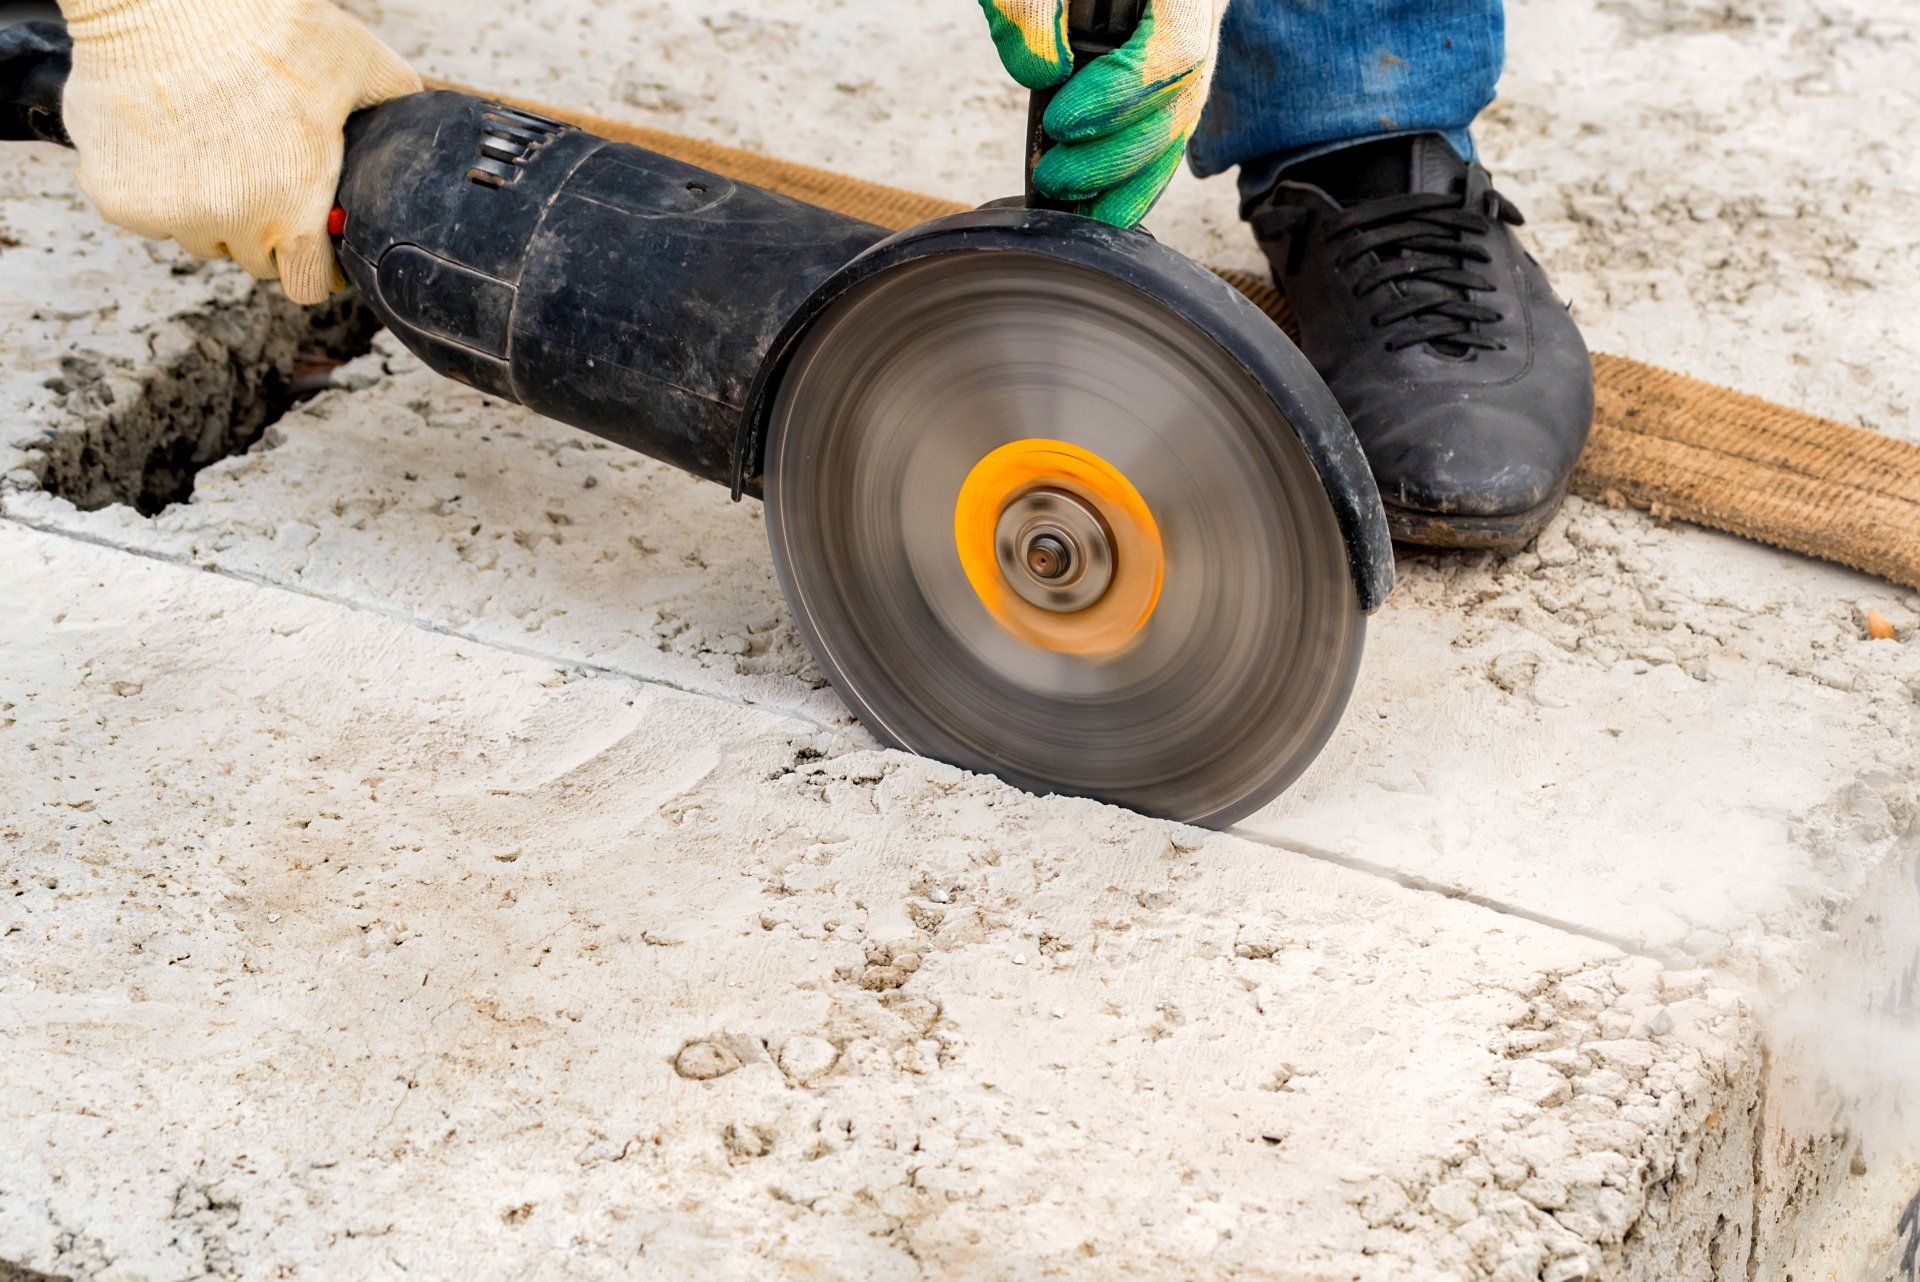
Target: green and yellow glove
(1122,122)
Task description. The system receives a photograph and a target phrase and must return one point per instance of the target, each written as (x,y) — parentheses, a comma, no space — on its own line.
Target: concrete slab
(1587,735)
(335,947)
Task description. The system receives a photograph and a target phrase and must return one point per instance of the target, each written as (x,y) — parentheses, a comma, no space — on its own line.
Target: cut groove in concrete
(249,364)
(1446,890)
(585,667)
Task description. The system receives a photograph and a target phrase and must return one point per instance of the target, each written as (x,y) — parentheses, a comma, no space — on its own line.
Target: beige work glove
(217,123)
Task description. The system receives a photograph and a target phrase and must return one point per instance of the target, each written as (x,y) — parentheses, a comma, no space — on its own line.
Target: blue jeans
(1297,77)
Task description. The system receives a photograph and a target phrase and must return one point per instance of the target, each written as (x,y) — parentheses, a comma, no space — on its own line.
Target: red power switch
(337,222)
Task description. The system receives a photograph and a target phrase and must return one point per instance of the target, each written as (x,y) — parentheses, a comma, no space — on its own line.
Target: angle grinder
(1047,499)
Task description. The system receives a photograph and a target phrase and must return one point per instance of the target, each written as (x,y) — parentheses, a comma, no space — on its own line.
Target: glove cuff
(131,32)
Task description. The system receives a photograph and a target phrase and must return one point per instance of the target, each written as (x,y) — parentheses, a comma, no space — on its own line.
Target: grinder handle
(36,57)
(1094,28)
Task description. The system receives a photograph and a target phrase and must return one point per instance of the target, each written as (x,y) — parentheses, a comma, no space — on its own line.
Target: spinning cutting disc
(1034,522)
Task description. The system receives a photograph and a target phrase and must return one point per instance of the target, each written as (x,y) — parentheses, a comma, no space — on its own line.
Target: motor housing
(598,283)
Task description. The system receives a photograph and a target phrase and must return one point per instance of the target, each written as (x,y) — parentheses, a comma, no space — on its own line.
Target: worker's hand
(217,123)
(1122,122)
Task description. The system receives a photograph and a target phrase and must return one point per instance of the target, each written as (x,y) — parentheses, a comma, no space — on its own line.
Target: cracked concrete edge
(114,433)
(1838,1175)
(114,342)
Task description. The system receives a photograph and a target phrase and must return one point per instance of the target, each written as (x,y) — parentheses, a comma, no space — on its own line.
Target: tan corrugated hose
(1674,445)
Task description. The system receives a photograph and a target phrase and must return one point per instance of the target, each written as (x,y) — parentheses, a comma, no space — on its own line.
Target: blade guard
(1300,398)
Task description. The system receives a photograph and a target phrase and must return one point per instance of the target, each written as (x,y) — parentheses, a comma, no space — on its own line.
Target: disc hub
(1060,547)
(1054,550)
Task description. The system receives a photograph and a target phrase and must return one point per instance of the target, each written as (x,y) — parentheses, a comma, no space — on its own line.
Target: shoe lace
(1420,252)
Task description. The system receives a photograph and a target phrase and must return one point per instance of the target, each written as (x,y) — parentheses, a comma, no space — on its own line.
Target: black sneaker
(1465,378)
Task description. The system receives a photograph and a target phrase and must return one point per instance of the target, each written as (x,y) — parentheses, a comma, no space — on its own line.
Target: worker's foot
(1463,375)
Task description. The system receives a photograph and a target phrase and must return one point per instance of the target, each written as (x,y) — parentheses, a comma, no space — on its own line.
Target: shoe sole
(1505,533)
